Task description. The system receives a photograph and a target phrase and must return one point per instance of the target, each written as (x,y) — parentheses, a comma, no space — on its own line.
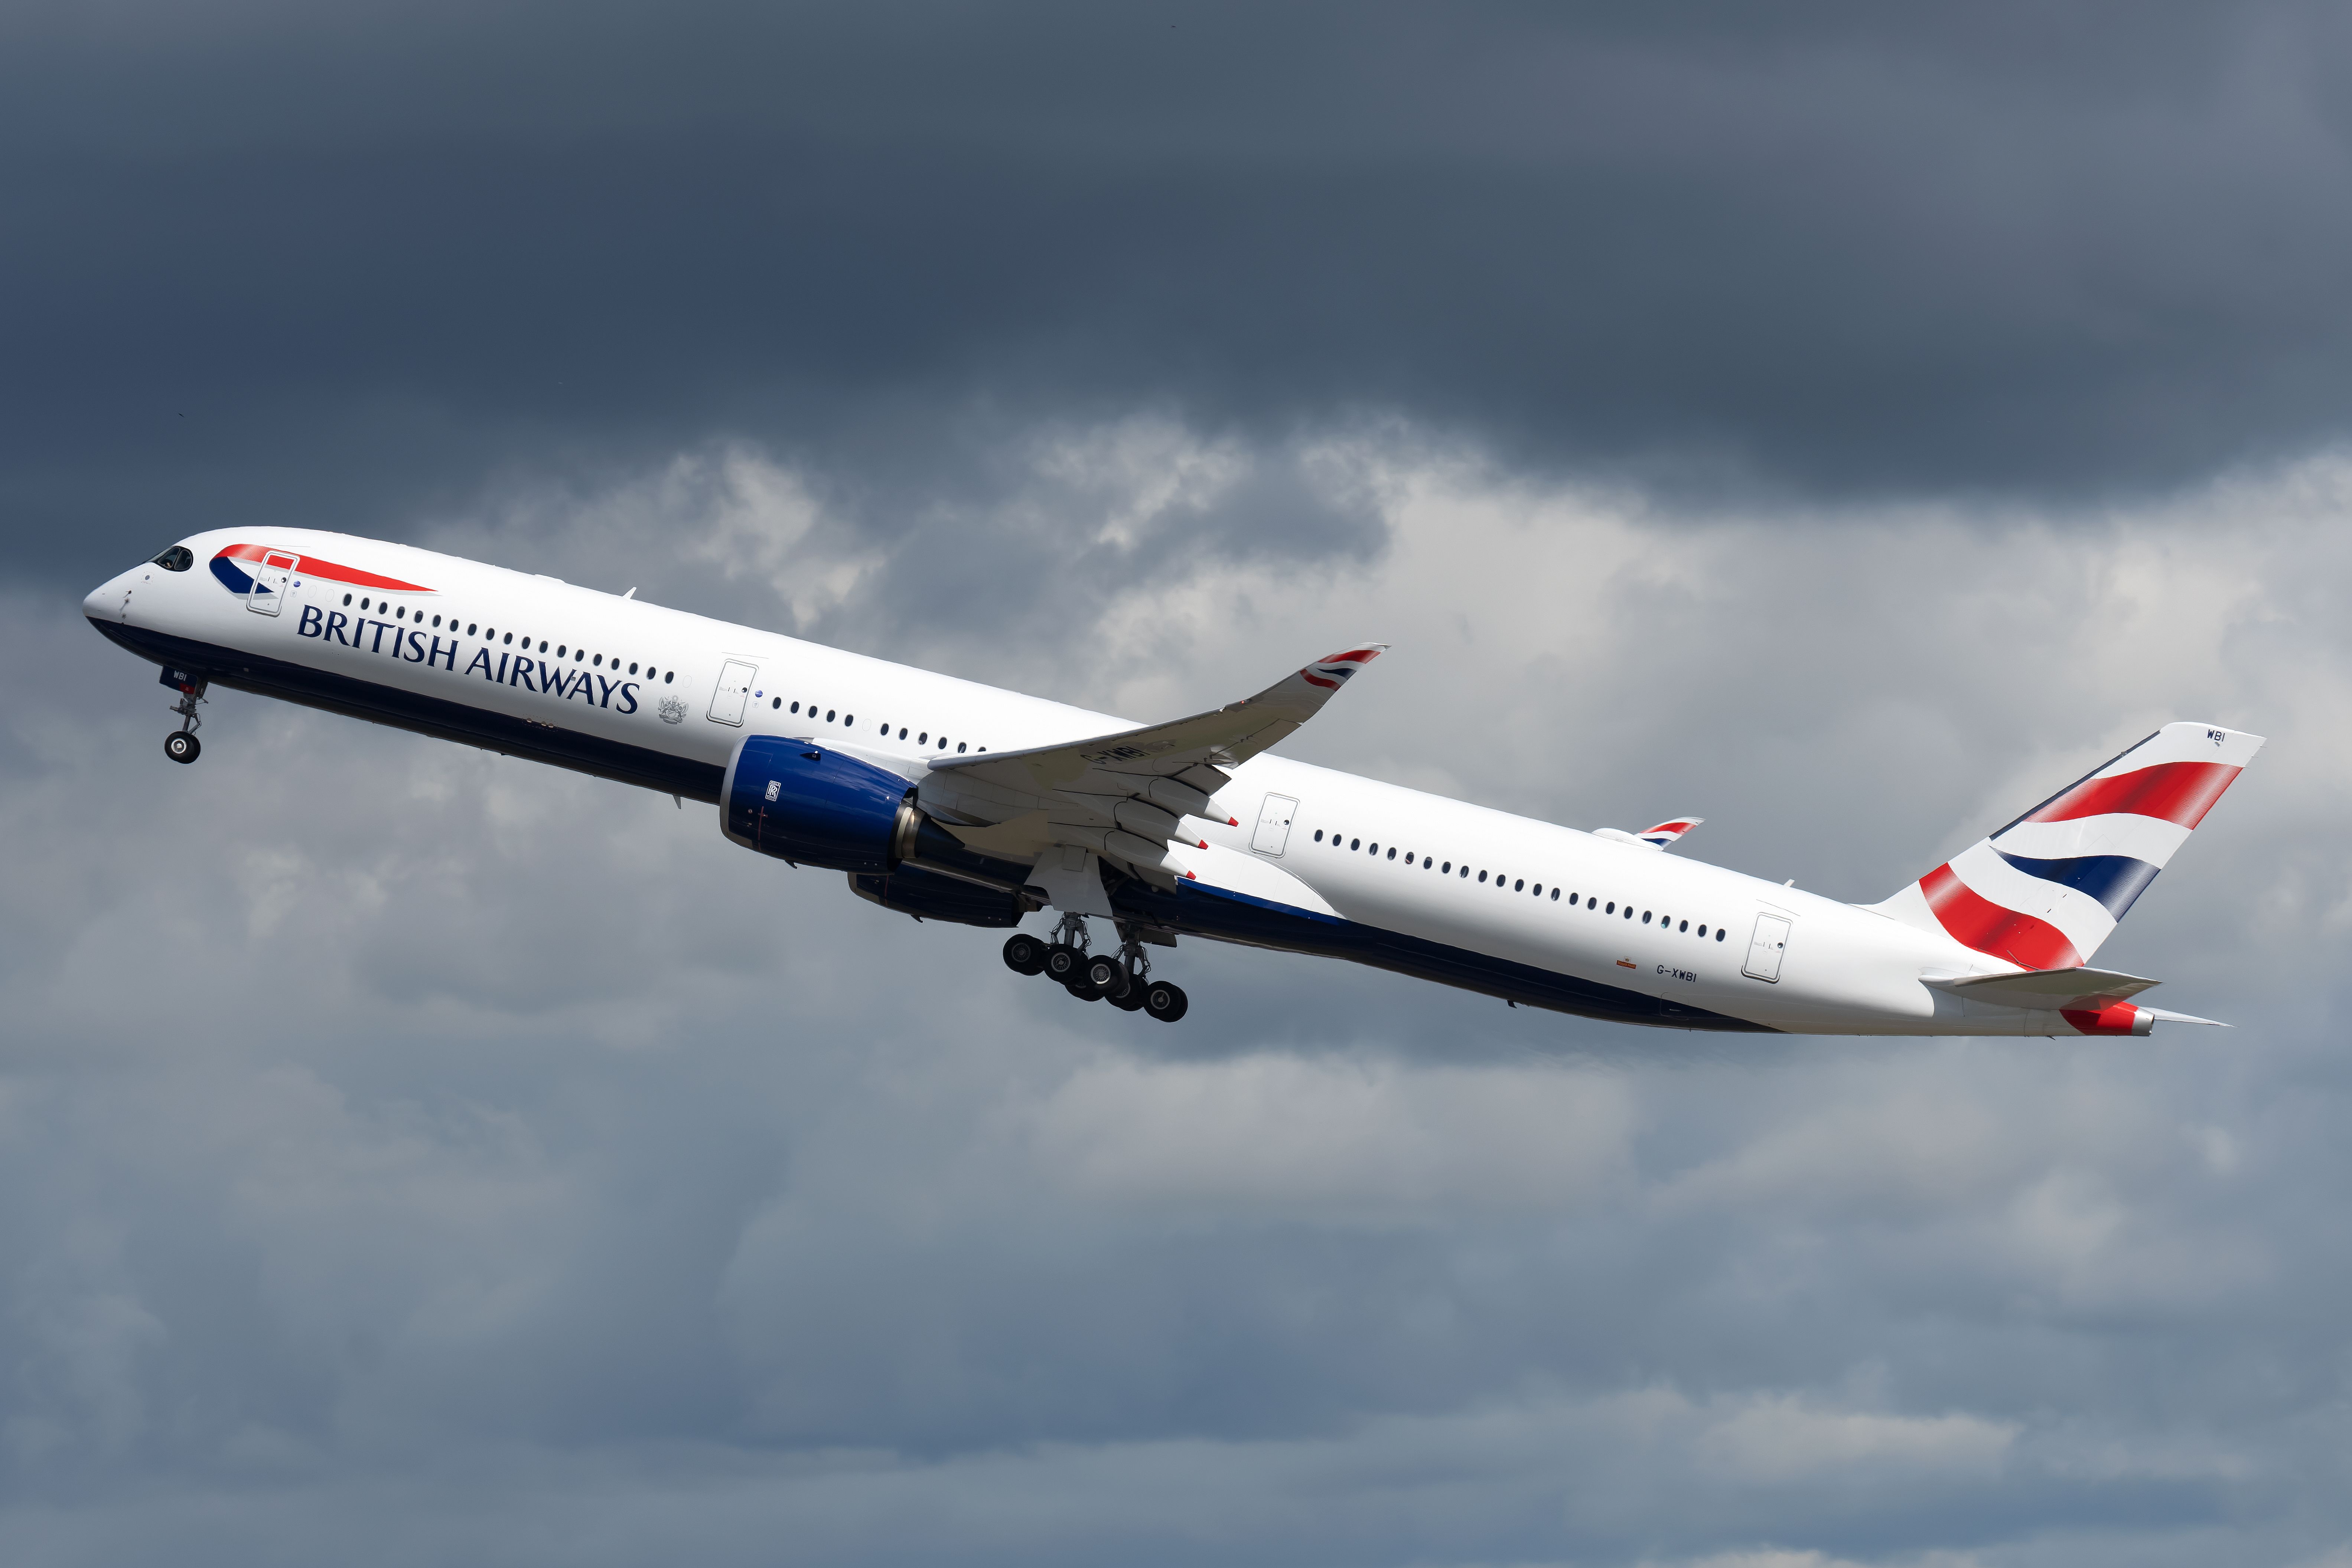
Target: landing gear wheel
(1081,990)
(181,747)
(1064,963)
(1024,954)
(1107,978)
(1164,1002)
(1133,1001)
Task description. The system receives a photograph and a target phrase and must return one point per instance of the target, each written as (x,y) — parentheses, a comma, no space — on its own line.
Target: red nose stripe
(314,567)
(2177,792)
(1977,922)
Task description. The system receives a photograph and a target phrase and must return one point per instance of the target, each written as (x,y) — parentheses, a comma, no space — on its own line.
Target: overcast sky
(1842,422)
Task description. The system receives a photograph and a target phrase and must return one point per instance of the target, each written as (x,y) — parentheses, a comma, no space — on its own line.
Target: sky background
(1848,422)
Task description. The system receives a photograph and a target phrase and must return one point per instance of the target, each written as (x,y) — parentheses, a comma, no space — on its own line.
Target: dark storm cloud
(291,265)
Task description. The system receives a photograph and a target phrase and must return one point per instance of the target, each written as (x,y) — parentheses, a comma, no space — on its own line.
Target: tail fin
(2044,892)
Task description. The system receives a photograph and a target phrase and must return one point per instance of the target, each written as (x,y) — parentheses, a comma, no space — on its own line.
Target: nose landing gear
(1122,979)
(182,745)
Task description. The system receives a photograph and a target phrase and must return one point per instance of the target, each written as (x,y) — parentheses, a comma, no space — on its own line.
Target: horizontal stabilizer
(2086,990)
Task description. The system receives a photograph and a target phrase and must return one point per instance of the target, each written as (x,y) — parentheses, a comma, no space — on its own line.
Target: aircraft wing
(1122,794)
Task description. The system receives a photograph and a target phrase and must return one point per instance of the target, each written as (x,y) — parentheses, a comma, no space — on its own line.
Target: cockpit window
(179,558)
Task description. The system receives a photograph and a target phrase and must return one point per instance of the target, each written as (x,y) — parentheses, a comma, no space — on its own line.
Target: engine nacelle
(799,802)
(927,895)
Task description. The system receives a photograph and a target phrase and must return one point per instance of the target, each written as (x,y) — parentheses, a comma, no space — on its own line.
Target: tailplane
(2043,892)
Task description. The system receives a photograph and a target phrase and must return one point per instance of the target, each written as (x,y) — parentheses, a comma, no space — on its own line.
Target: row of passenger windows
(1504,882)
(849,722)
(563,651)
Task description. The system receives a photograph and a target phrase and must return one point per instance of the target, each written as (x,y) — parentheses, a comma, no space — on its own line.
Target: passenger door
(1764,948)
(1273,824)
(272,580)
(733,690)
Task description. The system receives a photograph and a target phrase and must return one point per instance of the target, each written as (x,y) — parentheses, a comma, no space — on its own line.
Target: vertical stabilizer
(2044,892)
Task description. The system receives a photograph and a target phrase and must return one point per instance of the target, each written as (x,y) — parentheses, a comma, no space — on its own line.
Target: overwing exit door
(271,581)
(734,690)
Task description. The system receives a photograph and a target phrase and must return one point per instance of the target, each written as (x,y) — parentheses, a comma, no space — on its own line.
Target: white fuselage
(612,675)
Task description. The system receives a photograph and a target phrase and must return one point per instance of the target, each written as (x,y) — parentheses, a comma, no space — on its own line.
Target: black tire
(1064,963)
(1081,990)
(181,747)
(1165,1001)
(1130,1003)
(1106,977)
(1024,953)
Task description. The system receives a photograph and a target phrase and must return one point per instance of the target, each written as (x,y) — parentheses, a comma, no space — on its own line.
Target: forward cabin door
(1764,948)
(271,581)
(1274,824)
(734,690)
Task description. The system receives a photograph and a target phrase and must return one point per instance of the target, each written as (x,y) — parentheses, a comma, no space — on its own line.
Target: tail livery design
(2044,892)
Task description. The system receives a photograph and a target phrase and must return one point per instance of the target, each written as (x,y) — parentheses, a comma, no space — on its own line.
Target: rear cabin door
(1764,948)
(271,581)
(1273,824)
(734,690)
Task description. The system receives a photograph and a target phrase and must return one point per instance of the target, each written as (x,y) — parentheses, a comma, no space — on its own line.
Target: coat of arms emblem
(672,710)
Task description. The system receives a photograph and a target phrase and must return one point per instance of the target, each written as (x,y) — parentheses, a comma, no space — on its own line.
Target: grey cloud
(271,266)
(405,1151)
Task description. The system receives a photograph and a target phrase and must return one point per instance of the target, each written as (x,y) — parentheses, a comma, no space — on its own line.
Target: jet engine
(810,806)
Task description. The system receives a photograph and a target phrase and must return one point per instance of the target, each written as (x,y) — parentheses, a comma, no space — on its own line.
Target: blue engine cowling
(801,802)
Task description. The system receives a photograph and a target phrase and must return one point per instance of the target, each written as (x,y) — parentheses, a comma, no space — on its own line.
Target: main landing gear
(182,745)
(1122,979)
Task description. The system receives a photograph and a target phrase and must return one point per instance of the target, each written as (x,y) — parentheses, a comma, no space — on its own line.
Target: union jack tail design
(1665,833)
(2044,892)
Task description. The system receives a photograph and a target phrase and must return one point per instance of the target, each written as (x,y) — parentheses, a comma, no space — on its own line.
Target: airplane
(951,801)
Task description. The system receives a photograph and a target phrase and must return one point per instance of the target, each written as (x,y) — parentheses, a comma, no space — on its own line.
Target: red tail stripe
(1353,655)
(2115,1020)
(2177,792)
(1977,921)
(327,568)
(1318,680)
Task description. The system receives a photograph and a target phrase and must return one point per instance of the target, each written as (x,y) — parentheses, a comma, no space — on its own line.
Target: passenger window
(1318,836)
(1482,876)
(1612,908)
(828,715)
(924,739)
(1391,854)
(1646,917)
(1538,891)
(633,669)
(775,702)
(469,628)
(1702,930)
(902,731)
(1555,895)
(1520,886)
(510,637)
(849,718)
(1355,844)
(1376,849)
(1685,926)
(668,675)
(1719,934)
(958,745)
(1448,866)
(600,661)
(1465,870)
